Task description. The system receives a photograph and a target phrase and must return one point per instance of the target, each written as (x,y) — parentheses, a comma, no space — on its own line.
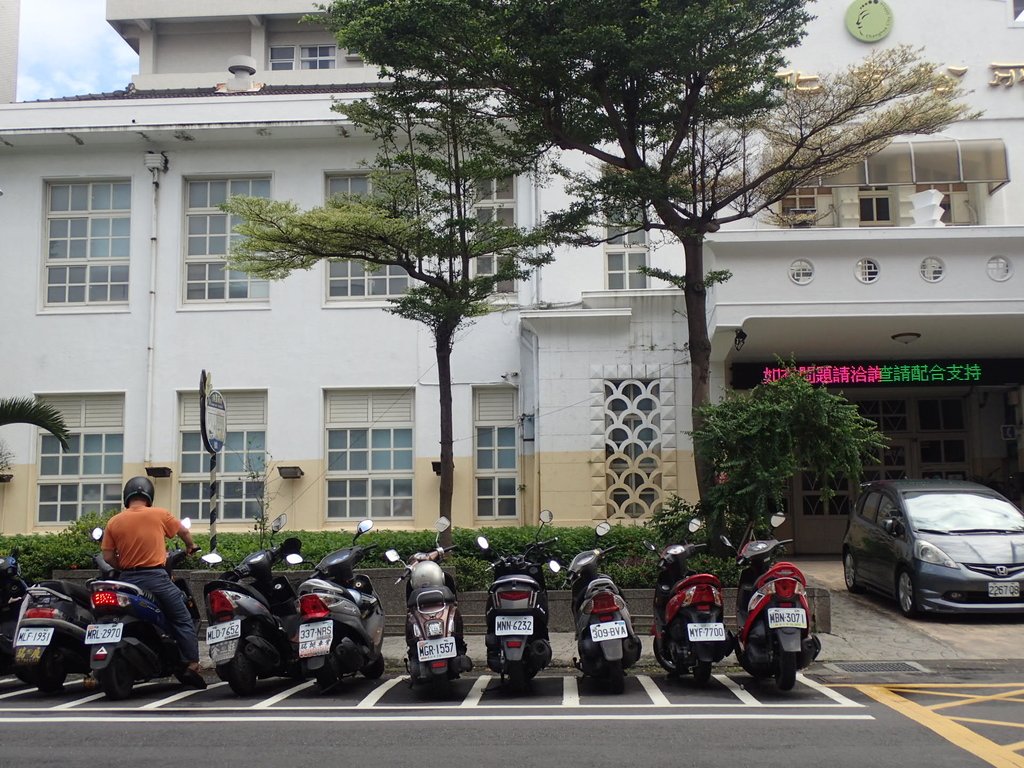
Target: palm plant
(28,410)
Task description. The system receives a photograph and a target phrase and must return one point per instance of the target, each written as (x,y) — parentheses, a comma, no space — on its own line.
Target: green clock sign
(869,20)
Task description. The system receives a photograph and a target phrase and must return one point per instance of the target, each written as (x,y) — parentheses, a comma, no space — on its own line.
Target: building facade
(572,395)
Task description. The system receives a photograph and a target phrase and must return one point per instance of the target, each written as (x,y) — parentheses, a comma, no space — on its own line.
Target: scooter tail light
(107,600)
(312,607)
(785,588)
(221,606)
(514,594)
(43,613)
(604,602)
(701,593)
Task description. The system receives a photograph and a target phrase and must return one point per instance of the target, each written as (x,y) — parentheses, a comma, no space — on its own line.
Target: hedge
(631,564)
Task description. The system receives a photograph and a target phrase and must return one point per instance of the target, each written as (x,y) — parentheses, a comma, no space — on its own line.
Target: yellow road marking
(992,753)
(1008,695)
(981,721)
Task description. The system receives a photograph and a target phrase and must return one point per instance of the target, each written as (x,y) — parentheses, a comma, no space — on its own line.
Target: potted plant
(6,457)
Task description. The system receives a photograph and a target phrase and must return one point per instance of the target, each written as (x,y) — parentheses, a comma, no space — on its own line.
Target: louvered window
(496,462)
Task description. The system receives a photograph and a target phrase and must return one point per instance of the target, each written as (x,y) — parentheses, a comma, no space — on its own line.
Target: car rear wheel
(906,594)
(850,573)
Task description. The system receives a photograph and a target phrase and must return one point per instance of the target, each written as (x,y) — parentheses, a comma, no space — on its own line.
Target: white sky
(68,49)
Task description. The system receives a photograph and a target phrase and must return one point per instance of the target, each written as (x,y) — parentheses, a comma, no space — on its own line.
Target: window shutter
(495,405)
(244,409)
(89,411)
(361,407)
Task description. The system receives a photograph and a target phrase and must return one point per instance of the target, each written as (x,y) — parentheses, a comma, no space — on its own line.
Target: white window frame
(371,455)
(64,480)
(495,442)
(625,251)
(242,465)
(209,232)
(876,194)
(88,243)
(495,200)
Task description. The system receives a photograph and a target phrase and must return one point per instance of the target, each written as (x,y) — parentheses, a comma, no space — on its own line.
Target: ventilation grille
(861,667)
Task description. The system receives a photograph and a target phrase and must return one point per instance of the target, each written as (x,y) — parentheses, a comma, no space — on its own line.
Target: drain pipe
(156,162)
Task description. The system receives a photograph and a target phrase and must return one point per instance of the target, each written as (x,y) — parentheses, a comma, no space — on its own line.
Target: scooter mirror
(392,556)
(602,529)
(279,522)
(483,543)
(546,516)
(293,559)
(212,558)
(97,534)
(442,524)
(365,526)
(725,540)
(777,520)
(555,566)
(650,546)
(186,522)
(695,525)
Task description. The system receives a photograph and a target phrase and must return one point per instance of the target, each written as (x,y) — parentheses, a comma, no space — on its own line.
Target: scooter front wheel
(785,672)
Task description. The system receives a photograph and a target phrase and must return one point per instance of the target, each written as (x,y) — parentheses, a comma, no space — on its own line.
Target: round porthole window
(867,270)
(801,271)
(932,269)
(999,268)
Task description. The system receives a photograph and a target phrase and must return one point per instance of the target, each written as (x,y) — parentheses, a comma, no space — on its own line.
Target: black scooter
(12,592)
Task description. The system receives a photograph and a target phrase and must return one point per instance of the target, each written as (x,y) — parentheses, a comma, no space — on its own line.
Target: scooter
(341,629)
(12,593)
(131,639)
(689,626)
(436,652)
(772,614)
(605,639)
(517,640)
(252,619)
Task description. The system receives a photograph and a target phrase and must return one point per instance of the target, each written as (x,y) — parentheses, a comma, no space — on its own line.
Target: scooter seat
(75,591)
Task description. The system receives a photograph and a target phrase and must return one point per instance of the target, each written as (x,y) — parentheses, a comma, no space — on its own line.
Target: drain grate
(878,666)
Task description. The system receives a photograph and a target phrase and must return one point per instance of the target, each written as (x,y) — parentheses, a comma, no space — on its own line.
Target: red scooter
(772,614)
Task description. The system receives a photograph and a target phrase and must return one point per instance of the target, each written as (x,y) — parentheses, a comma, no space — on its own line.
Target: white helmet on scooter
(426,573)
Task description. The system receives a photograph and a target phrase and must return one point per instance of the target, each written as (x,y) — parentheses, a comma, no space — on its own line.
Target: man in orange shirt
(133,542)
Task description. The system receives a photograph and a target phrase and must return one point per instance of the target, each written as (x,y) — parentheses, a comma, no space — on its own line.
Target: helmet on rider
(139,486)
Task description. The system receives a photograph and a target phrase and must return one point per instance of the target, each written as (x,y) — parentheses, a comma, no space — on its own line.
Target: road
(733,722)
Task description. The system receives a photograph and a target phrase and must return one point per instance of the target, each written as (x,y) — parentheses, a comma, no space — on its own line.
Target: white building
(113,298)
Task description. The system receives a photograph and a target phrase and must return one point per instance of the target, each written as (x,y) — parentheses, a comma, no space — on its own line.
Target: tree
(29,410)
(758,441)
(680,102)
(435,150)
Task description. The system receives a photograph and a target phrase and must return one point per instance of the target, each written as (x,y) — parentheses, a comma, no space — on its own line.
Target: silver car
(936,546)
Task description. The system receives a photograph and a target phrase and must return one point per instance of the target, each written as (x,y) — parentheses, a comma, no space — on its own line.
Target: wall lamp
(740,340)
(906,338)
(290,473)
(158,471)
(436,466)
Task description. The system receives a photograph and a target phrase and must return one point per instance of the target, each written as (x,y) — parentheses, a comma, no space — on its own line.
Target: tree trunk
(699,344)
(443,338)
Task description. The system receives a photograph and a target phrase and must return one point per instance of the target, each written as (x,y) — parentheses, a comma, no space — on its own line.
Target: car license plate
(315,638)
(513,625)
(103,633)
(223,651)
(608,630)
(706,633)
(431,650)
(787,617)
(34,636)
(228,630)
(1004,589)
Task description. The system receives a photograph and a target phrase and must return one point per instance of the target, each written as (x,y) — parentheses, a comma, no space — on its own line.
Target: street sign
(213,415)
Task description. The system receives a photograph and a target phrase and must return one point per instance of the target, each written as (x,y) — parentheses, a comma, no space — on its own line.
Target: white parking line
(737,691)
(422,717)
(378,693)
(473,697)
(282,695)
(76,702)
(178,697)
(824,690)
(570,692)
(21,692)
(658,698)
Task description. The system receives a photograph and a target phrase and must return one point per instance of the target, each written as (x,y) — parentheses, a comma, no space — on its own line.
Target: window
(348,184)
(867,270)
(86,478)
(496,462)
(801,200)
(632,447)
(875,206)
(625,253)
(1018,11)
(956,207)
(207,277)
(999,268)
(309,56)
(241,465)
(369,454)
(88,233)
(282,57)
(932,269)
(494,203)
(349,279)
(801,271)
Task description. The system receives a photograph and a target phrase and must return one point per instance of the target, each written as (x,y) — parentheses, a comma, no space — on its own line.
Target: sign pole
(213,428)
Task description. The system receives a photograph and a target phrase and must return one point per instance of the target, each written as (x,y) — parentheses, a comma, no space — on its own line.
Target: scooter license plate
(787,617)
(34,636)
(513,625)
(706,633)
(223,651)
(315,638)
(227,630)
(432,650)
(608,630)
(103,633)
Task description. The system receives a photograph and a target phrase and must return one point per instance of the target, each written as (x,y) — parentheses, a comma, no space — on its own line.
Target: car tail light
(107,601)
(221,607)
(43,613)
(312,607)
(604,602)
(511,594)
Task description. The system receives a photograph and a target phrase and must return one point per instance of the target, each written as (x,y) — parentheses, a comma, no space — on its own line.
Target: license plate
(1004,589)
(431,650)
(103,633)
(513,625)
(705,633)
(223,651)
(315,638)
(228,630)
(34,636)
(608,630)
(787,617)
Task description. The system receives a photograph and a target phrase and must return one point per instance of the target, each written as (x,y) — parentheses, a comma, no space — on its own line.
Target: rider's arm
(109,551)
(186,536)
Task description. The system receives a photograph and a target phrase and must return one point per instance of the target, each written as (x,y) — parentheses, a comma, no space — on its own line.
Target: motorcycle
(436,652)
(131,639)
(12,594)
(689,626)
(252,618)
(341,629)
(772,614)
(605,639)
(517,640)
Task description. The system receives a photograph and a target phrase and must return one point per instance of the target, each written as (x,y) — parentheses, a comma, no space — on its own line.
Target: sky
(68,49)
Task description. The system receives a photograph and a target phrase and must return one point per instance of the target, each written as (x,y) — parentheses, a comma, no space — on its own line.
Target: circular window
(932,269)
(867,270)
(999,268)
(801,272)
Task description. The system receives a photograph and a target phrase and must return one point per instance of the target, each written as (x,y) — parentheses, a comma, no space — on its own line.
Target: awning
(945,161)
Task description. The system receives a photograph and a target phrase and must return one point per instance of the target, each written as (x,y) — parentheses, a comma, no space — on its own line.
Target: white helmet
(426,574)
